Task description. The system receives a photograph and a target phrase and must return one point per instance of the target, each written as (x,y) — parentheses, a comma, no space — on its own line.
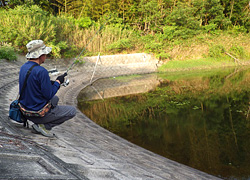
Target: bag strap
(25,81)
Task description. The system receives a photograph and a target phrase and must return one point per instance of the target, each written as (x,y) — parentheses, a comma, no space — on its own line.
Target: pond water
(200,119)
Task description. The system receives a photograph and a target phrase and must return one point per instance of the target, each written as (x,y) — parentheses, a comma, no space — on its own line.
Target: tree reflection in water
(200,119)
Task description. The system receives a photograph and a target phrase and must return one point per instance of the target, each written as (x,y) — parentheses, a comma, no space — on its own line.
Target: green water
(201,119)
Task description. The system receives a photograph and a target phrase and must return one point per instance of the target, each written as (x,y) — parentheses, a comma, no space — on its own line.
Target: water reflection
(200,119)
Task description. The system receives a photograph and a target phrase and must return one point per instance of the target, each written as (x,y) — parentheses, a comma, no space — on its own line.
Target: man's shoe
(40,128)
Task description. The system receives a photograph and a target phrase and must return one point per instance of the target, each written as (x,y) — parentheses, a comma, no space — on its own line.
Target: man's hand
(61,78)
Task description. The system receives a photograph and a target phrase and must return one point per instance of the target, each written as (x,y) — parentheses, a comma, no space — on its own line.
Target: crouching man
(38,102)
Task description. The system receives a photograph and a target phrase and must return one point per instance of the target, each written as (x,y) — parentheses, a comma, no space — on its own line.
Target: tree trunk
(232,7)
(65,5)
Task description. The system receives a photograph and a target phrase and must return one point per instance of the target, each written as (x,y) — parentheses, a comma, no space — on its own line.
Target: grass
(204,63)
(68,40)
(176,75)
(126,78)
(7,52)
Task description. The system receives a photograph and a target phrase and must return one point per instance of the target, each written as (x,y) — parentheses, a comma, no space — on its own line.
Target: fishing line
(77,57)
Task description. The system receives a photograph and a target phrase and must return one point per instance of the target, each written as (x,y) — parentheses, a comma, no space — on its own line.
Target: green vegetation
(62,33)
(7,52)
(127,78)
(169,29)
(207,63)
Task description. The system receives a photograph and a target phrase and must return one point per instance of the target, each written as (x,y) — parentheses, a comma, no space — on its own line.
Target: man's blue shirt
(39,89)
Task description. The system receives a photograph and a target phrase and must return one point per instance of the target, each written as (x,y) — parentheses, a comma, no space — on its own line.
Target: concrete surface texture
(114,87)
(83,150)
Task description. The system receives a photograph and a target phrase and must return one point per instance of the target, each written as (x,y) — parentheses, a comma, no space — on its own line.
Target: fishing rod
(76,58)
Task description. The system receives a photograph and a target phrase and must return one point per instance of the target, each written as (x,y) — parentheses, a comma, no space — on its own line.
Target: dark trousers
(56,115)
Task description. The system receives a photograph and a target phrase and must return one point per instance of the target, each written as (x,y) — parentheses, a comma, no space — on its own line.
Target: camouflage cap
(36,48)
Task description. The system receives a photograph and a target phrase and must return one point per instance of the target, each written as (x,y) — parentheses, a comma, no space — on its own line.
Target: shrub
(120,45)
(216,51)
(154,47)
(239,29)
(7,52)
(237,51)
(168,32)
(84,22)
(210,27)
(71,52)
(173,32)
(23,24)
(163,56)
(185,33)
(55,52)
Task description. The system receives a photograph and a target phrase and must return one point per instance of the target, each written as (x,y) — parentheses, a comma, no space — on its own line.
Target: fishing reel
(66,83)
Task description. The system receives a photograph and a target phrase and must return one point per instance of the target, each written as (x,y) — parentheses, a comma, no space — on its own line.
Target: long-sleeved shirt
(39,89)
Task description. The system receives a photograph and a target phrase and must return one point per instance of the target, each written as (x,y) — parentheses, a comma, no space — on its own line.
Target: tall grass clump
(120,46)
(216,51)
(23,24)
(238,51)
(7,52)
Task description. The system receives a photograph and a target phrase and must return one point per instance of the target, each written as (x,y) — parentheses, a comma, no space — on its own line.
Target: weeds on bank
(68,36)
(7,52)
(63,33)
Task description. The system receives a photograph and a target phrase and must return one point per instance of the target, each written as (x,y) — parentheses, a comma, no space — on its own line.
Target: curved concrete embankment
(88,150)
(114,87)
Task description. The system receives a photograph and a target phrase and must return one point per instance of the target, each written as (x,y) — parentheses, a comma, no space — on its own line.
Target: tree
(124,9)
(211,12)
(151,15)
(236,10)
(71,7)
